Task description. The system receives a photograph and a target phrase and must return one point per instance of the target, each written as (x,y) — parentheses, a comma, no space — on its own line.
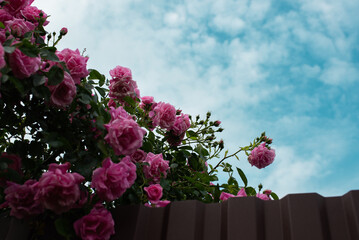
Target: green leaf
(274,196)
(94,74)
(28,49)
(243,176)
(2,25)
(9,49)
(49,54)
(55,76)
(101,91)
(250,191)
(38,80)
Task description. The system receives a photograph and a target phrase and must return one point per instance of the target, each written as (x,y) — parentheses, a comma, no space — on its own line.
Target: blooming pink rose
(64,93)
(147,103)
(5,16)
(157,167)
(242,193)
(154,192)
(97,225)
(18,27)
(113,179)
(117,113)
(15,6)
(224,196)
(2,55)
(261,156)
(181,124)
(163,203)
(121,72)
(124,135)
(164,115)
(23,66)
(75,63)
(263,196)
(20,198)
(138,156)
(59,190)
(32,14)
(15,165)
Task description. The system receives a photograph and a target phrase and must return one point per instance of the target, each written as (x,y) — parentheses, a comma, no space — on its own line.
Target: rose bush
(74,145)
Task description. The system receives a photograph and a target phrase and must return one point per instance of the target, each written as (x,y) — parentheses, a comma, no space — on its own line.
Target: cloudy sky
(290,68)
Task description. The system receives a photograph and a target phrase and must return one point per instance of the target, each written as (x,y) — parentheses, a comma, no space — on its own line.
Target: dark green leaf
(49,54)
(250,191)
(274,196)
(94,74)
(2,25)
(243,176)
(38,80)
(101,91)
(55,76)
(64,227)
(28,49)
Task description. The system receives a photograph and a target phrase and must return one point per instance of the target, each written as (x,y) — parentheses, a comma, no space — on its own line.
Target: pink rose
(15,6)
(163,203)
(118,113)
(138,156)
(63,31)
(32,14)
(181,124)
(20,198)
(2,55)
(18,27)
(15,165)
(261,156)
(97,225)
(164,115)
(242,193)
(5,16)
(157,167)
(59,190)
(75,63)
(124,135)
(64,93)
(121,72)
(147,103)
(224,196)
(23,66)
(267,192)
(217,123)
(113,179)
(263,196)
(154,192)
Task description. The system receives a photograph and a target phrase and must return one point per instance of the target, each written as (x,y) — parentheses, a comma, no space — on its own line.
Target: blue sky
(290,68)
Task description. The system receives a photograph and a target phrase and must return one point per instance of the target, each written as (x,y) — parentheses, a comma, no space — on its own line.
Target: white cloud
(338,72)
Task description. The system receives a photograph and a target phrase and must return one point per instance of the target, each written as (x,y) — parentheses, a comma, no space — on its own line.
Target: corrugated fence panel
(294,217)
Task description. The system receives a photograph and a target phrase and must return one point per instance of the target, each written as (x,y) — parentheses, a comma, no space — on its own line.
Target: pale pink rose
(18,27)
(97,225)
(263,196)
(138,156)
(15,165)
(157,167)
(2,55)
(242,193)
(20,198)
(64,93)
(59,190)
(23,66)
(75,62)
(224,196)
(154,192)
(15,6)
(124,135)
(261,156)
(118,113)
(181,124)
(113,179)
(32,14)
(121,84)
(164,115)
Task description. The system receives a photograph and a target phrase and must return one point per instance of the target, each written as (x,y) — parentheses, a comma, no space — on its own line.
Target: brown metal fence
(294,217)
